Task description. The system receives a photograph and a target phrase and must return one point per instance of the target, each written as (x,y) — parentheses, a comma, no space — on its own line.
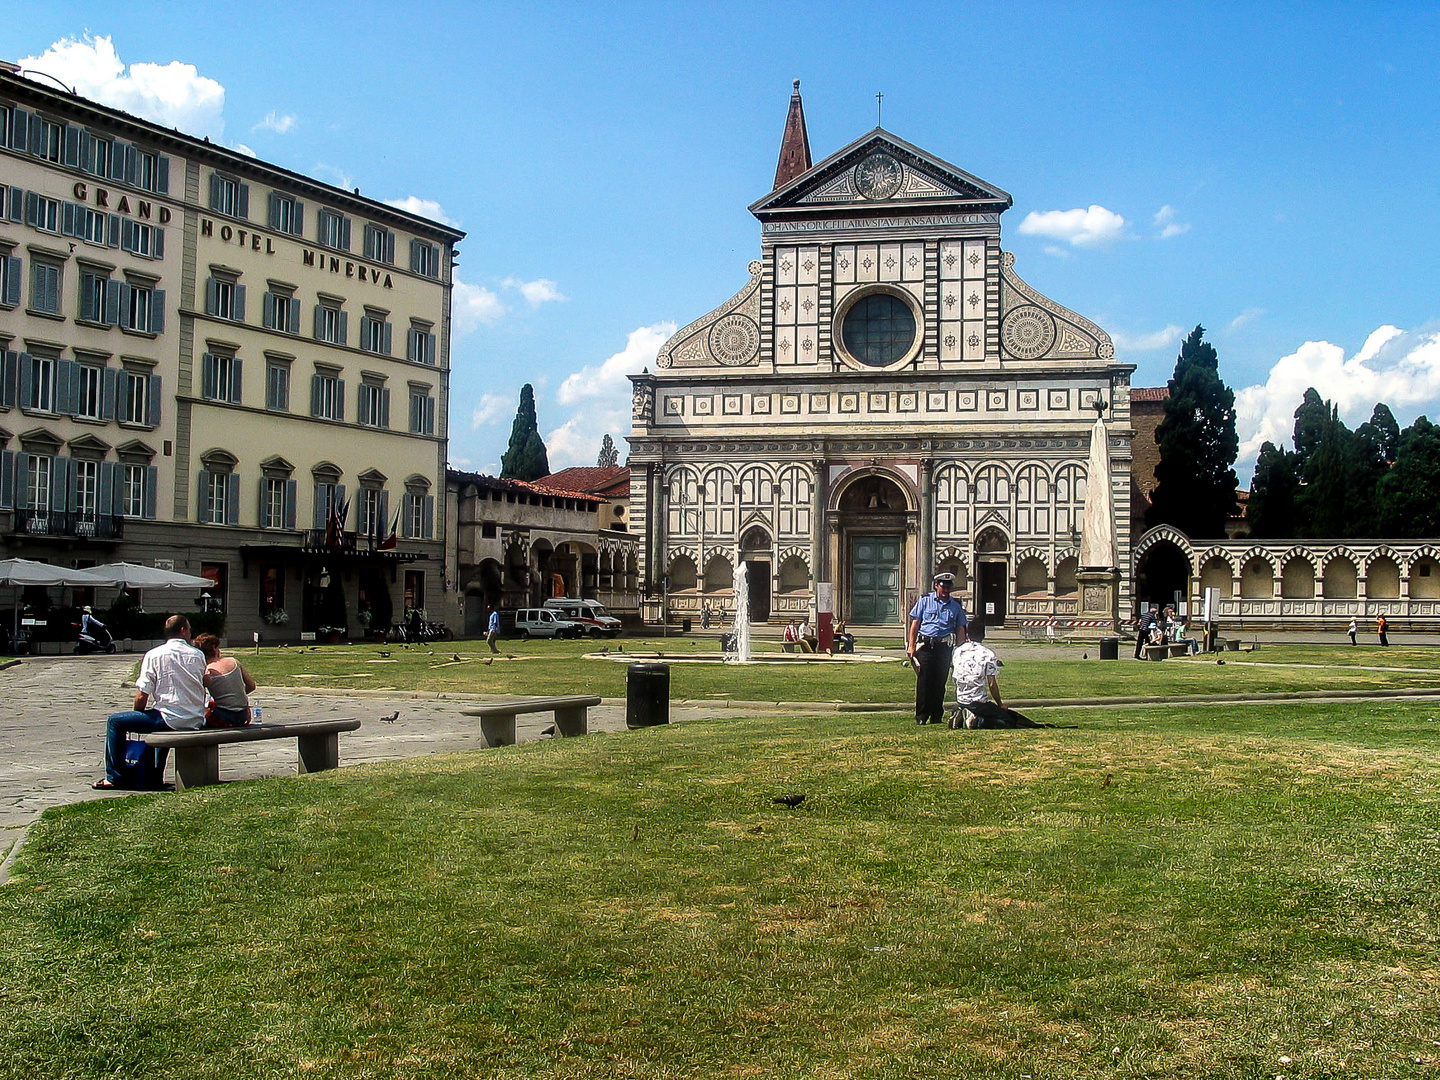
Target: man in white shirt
(976,670)
(169,695)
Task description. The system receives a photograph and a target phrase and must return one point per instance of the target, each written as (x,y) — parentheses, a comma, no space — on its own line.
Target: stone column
(926,533)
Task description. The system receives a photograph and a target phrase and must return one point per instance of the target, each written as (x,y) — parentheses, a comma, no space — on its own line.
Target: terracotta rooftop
(592,480)
(1148,393)
(496,483)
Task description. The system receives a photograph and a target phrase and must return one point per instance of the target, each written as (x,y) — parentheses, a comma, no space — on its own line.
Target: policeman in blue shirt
(935,620)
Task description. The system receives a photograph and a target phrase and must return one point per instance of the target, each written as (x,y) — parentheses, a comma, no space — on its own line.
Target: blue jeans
(120,725)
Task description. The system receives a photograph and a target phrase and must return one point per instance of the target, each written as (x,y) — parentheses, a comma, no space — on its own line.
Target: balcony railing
(69,523)
(347,543)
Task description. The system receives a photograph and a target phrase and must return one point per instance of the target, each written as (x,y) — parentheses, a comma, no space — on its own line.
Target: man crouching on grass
(977,687)
(169,695)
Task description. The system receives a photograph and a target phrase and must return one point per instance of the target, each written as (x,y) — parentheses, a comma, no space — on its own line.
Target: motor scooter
(97,641)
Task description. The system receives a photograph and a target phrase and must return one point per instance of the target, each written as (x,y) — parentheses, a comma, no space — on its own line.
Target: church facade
(884,398)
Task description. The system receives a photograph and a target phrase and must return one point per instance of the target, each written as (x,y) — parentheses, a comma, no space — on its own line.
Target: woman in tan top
(228,683)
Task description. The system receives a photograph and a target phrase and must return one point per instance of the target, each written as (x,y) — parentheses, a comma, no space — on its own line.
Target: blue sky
(1266,170)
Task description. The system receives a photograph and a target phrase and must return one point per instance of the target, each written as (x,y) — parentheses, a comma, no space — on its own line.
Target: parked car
(590,614)
(542,622)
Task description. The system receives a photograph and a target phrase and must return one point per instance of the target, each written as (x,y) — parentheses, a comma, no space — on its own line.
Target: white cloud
(1399,368)
(490,406)
(474,306)
(1058,252)
(279,123)
(1159,339)
(241,148)
(602,395)
(426,208)
(174,94)
(1249,315)
(1166,223)
(1079,228)
(535,292)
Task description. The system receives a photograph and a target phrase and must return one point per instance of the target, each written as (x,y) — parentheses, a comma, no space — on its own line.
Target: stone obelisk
(1098,577)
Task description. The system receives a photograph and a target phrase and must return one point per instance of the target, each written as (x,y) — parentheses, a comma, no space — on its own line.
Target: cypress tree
(1196,481)
(525,459)
(1324,501)
(1409,493)
(1271,510)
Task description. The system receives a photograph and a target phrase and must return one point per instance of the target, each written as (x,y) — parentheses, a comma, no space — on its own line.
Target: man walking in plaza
(934,621)
(169,696)
(492,629)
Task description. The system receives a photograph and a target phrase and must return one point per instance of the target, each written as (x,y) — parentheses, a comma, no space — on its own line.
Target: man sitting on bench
(169,695)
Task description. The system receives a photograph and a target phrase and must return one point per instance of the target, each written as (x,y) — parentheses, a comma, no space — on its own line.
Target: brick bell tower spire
(795,147)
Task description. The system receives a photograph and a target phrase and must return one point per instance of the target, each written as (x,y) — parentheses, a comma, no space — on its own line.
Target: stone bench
(497,721)
(1169,649)
(197,753)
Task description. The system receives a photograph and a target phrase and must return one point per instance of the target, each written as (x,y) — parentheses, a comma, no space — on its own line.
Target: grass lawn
(1226,891)
(554,667)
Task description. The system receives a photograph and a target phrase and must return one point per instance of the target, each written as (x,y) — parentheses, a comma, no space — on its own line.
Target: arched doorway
(1162,576)
(874,512)
(992,576)
(755,554)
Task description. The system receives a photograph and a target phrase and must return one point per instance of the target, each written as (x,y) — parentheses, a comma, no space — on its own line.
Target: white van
(590,614)
(541,622)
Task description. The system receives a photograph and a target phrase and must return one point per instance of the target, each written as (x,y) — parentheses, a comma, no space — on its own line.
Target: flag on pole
(390,542)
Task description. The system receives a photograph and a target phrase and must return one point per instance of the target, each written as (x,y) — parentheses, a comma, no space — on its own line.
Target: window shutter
(105,504)
(123,293)
(298,218)
(66,372)
(427,517)
(127,235)
(60,484)
(19,129)
(157,311)
(382,527)
(109,392)
(273,218)
(68,213)
(294,326)
(112,231)
(207,376)
(87,298)
(162,175)
(9,372)
(7,478)
(319,515)
(384,407)
(14,273)
(235,380)
(212,296)
(112,302)
(339,399)
(202,504)
(215,191)
(242,202)
(385,338)
(314,395)
(344,234)
(27,381)
(157,243)
(344,328)
(152,479)
(132,164)
(118,152)
(16,210)
(22,480)
(37,136)
(32,209)
(267,311)
(362,407)
(340,503)
(72,146)
(153,419)
(87,151)
(232,499)
(414,256)
(290,491)
(370,239)
(263,502)
(429,416)
(319,321)
(239,314)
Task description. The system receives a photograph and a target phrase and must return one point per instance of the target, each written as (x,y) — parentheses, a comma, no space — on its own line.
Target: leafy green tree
(1324,500)
(1409,493)
(1195,489)
(525,459)
(609,456)
(1271,511)
(1372,450)
(1310,420)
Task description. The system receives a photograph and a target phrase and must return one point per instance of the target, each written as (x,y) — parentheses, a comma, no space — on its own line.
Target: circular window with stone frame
(878,327)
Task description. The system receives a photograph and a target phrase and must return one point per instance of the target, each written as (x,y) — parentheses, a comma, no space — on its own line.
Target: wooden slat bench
(497,721)
(1169,649)
(197,753)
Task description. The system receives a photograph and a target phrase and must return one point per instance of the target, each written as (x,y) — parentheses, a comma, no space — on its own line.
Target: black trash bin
(1109,648)
(685,626)
(647,695)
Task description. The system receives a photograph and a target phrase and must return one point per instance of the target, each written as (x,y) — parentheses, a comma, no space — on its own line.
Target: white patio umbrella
(135,576)
(22,572)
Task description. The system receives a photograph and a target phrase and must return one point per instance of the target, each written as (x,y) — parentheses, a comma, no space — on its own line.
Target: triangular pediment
(884,172)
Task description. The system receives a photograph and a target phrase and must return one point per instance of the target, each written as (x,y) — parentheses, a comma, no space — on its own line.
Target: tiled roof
(591,479)
(1148,393)
(496,483)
